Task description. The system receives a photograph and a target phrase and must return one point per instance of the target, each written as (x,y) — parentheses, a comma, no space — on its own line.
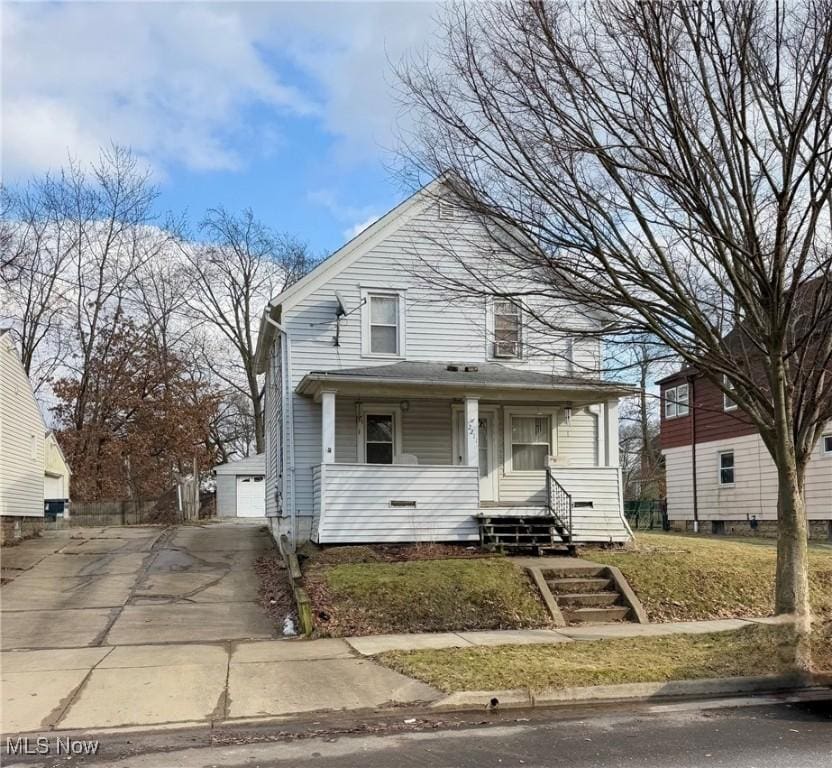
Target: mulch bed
(275,592)
(393,553)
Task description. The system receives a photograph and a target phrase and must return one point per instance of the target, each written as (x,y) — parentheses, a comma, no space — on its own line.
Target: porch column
(611,433)
(327,427)
(472,431)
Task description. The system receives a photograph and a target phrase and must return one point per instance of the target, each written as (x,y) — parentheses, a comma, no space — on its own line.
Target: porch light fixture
(567,415)
(404,405)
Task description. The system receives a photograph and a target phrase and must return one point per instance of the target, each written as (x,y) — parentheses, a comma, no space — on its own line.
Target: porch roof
(462,377)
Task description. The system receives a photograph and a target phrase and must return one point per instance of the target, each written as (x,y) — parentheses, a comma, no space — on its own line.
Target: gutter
(309,380)
(287,448)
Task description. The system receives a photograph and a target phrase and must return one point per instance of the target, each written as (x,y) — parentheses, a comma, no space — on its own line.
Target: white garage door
(251,496)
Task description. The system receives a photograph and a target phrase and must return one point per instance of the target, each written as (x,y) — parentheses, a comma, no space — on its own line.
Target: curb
(523,697)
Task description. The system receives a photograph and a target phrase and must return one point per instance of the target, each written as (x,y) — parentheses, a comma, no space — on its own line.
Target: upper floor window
(727,403)
(383,334)
(507,329)
(676,401)
(827,444)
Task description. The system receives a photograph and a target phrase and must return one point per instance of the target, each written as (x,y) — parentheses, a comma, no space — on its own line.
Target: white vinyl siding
(22,443)
(755,482)
(367,503)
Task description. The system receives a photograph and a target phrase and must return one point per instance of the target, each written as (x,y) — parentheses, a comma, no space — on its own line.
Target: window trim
(727,403)
(530,410)
(367,294)
(823,449)
(669,399)
(378,409)
(719,467)
(491,341)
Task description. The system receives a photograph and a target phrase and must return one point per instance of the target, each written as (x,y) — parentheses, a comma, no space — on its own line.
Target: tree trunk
(792,590)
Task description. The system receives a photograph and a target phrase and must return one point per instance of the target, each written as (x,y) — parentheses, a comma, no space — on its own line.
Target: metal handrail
(559,502)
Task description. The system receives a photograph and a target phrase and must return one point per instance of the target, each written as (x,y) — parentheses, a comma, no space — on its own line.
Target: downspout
(692,402)
(287,449)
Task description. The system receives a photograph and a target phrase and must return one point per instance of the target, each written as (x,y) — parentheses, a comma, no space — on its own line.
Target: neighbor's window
(827,445)
(507,323)
(726,468)
(379,438)
(676,401)
(384,325)
(530,442)
(727,403)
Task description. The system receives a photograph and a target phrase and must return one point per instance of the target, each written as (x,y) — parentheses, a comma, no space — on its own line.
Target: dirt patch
(394,553)
(275,592)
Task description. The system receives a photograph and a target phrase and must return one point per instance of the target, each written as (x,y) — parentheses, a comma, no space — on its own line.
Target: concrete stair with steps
(587,594)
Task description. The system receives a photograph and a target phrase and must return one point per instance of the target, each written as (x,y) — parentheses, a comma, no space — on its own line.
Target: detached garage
(241,487)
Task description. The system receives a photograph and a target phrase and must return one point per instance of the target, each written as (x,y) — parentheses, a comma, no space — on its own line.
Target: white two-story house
(397,412)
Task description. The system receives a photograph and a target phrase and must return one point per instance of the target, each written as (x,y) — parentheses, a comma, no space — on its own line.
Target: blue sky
(286,108)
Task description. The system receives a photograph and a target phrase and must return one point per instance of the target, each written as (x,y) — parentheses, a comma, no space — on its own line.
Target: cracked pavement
(144,626)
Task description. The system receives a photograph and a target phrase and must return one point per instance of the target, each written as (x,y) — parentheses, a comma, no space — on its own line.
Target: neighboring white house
(22,443)
(396,412)
(241,487)
(56,476)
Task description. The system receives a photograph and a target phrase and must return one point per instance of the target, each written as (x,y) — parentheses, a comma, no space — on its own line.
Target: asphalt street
(797,735)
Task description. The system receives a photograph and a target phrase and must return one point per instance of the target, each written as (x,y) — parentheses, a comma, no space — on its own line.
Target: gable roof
(341,259)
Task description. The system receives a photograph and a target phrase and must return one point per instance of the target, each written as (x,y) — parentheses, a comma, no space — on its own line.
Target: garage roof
(251,465)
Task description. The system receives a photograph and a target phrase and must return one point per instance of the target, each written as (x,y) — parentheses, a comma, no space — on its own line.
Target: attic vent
(584,505)
(401,503)
(452,367)
(448,210)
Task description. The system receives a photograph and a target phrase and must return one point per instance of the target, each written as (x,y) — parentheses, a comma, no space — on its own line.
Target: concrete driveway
(142,626)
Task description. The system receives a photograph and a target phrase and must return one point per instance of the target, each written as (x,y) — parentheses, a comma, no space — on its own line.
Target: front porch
(407,463)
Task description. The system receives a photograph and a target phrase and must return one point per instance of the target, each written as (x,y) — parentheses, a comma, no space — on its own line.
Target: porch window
(507,325)
(530,442)
(384,325)
(379,438)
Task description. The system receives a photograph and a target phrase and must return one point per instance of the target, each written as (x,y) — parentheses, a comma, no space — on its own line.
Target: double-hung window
(531,442)
(827,444)
(676,401)
(726,468)
(727,403)
(507,329)
(383,315)
(380,443)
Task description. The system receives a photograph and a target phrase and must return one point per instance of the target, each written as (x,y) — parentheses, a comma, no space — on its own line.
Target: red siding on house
(712,421)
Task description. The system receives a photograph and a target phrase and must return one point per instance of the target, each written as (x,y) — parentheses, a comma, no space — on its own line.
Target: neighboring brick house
(730,483)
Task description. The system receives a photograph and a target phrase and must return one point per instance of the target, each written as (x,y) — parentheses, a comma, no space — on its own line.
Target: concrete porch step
(573,585)
(588,599)
(575,572)
(595,615)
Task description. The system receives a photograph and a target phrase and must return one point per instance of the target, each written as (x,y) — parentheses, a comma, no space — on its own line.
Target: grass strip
(751,651)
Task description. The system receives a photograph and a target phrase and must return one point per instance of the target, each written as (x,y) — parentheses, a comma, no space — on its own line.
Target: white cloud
(177,81)
(357,229)
(169,80)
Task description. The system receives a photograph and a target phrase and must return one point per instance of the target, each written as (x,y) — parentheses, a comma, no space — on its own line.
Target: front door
(487,459)
(488,473)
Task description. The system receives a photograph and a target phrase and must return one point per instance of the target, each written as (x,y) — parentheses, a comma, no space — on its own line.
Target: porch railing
(559,503)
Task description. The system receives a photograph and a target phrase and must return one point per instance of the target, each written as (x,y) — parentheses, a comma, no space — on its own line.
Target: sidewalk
(375,644)
(177,684)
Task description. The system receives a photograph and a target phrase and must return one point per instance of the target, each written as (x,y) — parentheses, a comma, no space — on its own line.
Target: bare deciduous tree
(669,163)
(239,267)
